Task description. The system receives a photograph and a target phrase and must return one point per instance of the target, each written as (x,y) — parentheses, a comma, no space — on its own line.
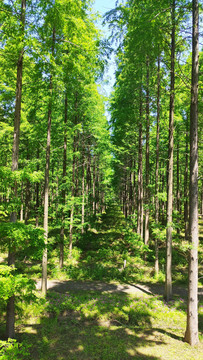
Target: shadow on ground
(68,335)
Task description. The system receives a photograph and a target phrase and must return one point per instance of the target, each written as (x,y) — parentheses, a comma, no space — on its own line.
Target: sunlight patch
(129,332)
(131,352)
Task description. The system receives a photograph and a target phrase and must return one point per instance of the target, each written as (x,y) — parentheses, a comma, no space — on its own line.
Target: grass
(96,325)
(105,326)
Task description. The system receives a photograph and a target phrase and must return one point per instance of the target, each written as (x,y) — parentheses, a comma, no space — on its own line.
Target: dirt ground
(139,289)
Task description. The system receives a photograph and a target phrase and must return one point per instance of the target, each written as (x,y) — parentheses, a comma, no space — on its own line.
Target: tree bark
(186,209)
(147,195)
(83,190)
(46,187)
(178,207)
(72,200)
(157,167)
(10,313)
(191,334)
(94,185)
(63,193)
(140,176)
(168,280)
(21,207)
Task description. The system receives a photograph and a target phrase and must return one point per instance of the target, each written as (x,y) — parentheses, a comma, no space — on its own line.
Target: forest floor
(95,320)
(137,289)
(96,309)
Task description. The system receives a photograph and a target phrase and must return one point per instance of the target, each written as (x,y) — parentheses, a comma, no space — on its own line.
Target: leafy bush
(26,239)
(12,283)
(12,350)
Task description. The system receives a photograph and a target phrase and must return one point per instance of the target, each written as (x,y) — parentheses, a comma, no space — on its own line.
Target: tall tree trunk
(27,192)
(134,190)
(140,175)
(125,193)
(21,207)
(98,186)
(10,313)
(157,167)
(72,200)
(147,195)
(169,228)
(94,185)
(63,193)
(27,201)
(88,181)
(83,189)
(37,194)
(191,334)
(186,209)
(178,183)
(46,187)
(131,188)
(201,203)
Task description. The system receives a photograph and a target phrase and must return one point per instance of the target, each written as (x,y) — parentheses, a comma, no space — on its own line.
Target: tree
(191,334)
(10,320)
(168,281)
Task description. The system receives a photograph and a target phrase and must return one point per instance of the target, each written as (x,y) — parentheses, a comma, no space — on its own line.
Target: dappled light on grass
(84,325)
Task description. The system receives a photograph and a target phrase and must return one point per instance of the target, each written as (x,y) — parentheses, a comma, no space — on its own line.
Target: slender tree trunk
(21,207)
(72,200)
(27,201)
(178,183)
(83,190)
(125,193)
(97,186)
(140,176)
(186,209)
(10,314)
(135,205)
(46,200)
(191,334)
(131,191)
(46,187)
(94,185)
(88,182)
(201,204)
(157,168)
(63,193)
(27,192)
(147,194)
(37,194)
(168,281)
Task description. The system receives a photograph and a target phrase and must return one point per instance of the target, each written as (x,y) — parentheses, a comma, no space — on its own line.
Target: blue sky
(102,6)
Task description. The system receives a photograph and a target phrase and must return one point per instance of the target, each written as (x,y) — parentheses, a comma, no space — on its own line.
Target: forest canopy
(70,172)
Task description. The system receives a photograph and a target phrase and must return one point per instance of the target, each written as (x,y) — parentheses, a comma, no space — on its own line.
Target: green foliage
(26,239)
(12,283)
(12,350)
